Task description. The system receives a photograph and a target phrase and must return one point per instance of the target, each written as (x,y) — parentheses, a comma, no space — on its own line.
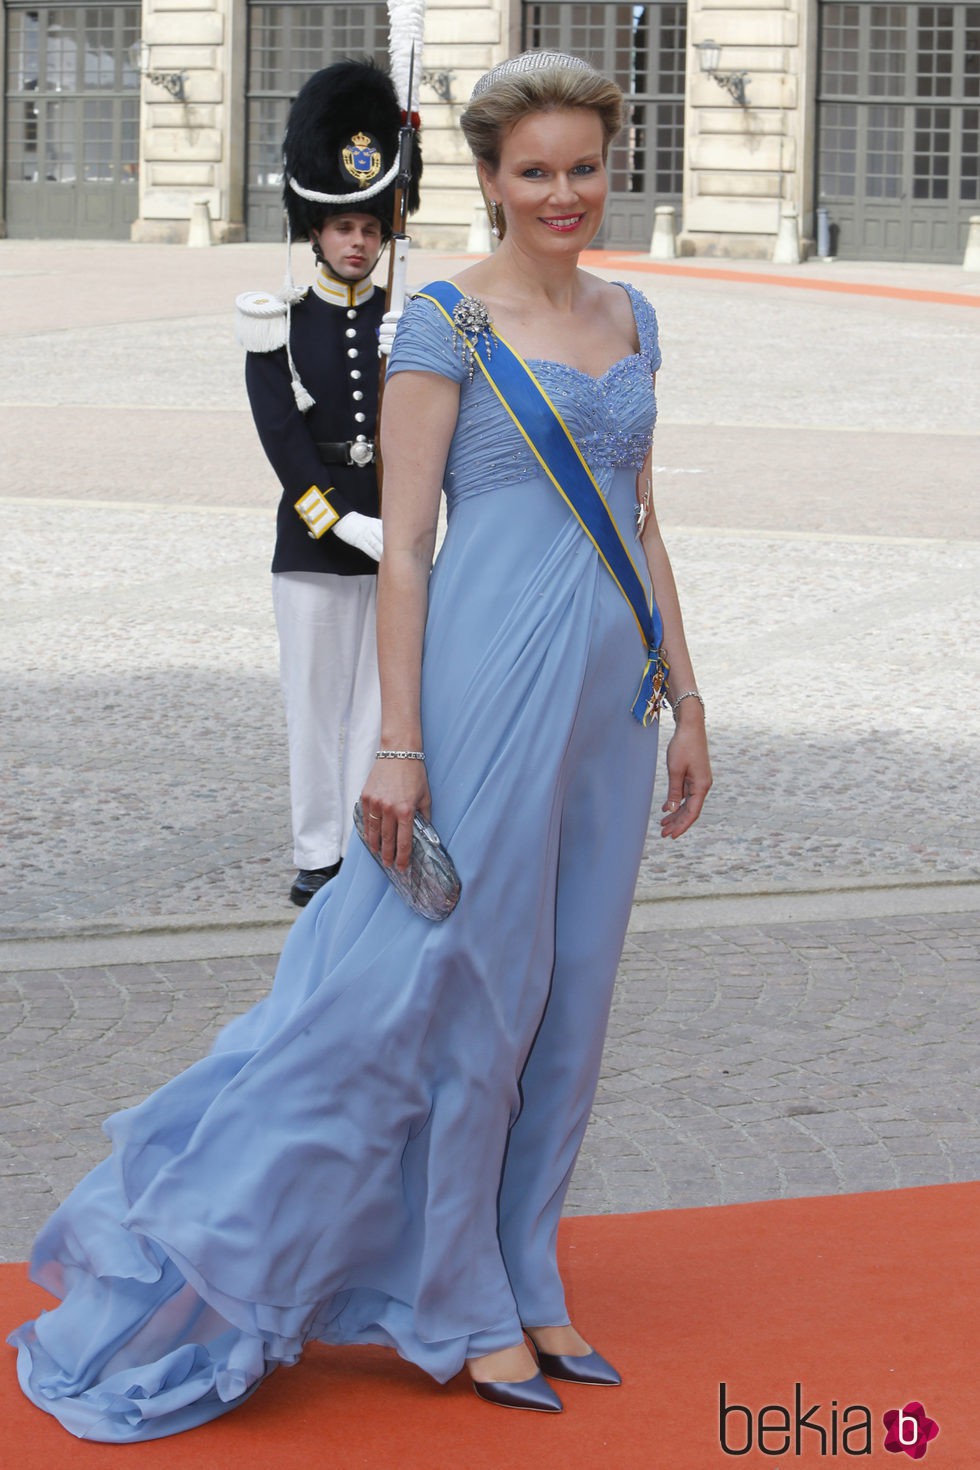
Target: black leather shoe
(532,1393)
(309,881)
(584,1368)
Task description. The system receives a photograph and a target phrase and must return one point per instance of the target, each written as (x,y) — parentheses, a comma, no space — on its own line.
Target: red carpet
(868,1301)
(635,262)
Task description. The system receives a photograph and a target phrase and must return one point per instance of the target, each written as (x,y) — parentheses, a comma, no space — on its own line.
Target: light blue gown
(378,1152)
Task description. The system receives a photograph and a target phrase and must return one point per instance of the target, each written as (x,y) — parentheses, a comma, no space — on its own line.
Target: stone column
(192,149)
(743,164)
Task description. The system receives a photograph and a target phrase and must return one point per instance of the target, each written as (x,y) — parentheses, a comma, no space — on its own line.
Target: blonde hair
(491,114)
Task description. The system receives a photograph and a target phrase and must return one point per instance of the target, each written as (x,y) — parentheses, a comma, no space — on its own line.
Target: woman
(379,1151)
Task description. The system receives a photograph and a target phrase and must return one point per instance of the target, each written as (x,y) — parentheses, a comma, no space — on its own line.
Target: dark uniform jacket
(335,349)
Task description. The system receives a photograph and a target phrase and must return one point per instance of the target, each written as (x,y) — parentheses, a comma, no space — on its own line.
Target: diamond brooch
(472,321)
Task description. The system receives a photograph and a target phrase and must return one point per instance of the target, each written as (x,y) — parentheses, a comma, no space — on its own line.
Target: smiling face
(551,181)
(351,244)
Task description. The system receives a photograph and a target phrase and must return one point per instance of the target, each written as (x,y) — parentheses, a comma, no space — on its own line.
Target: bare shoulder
(607,302)
(611,299)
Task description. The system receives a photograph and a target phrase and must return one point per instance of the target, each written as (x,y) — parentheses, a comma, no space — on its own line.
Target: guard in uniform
(312,379)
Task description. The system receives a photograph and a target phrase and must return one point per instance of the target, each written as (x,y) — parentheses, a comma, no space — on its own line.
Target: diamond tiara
(528,61)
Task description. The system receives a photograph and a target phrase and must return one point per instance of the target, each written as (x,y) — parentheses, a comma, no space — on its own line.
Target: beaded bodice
(611,417)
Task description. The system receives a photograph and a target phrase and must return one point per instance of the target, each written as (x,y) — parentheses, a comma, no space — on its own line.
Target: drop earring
(494,227)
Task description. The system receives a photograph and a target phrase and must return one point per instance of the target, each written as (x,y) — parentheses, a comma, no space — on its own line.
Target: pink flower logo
(909,1429)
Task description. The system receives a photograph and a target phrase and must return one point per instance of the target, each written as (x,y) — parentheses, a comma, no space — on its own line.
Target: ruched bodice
(610,417)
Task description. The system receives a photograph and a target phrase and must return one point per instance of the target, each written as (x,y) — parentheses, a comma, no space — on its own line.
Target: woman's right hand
(393,793)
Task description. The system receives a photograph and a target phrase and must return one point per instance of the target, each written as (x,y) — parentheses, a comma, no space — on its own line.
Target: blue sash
(552,445)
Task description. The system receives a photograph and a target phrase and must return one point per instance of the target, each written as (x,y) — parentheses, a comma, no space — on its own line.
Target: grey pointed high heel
(531,1393)
(589,1367)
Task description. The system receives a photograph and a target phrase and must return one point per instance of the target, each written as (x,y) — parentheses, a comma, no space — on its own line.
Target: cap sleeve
(424,342)
(646,327)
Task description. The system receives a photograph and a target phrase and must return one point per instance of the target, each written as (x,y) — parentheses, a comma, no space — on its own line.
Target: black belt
(357,452)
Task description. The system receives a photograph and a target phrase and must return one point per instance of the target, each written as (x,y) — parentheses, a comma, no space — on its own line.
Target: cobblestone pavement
(816,471)
(743,1063)
(148,779)
(817,478)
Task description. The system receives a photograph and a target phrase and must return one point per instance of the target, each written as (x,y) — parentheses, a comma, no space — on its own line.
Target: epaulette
(262,320)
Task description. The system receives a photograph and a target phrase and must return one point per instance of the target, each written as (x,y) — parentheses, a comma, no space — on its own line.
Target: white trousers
(328,667)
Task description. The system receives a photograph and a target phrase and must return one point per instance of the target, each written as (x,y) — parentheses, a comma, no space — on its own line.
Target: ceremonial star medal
(360,159)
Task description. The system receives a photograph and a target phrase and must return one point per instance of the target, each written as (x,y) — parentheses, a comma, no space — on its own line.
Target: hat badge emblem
(361,158)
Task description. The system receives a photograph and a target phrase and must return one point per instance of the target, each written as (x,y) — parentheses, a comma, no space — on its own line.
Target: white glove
(386,332)
(362,532)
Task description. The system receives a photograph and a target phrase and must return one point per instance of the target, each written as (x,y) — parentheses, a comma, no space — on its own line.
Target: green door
(898,161)
(287,42)
(72,121)
(643,49)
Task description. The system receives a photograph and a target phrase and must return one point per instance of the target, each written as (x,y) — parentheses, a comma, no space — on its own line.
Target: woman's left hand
(689,773)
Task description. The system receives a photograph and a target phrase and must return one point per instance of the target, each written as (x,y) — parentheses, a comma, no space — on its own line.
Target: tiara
(528,61)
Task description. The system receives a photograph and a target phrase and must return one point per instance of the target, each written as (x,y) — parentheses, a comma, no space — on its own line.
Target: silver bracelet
(399,755)
(688,694)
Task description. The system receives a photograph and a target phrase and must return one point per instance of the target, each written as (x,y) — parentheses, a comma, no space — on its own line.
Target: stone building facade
(119,117)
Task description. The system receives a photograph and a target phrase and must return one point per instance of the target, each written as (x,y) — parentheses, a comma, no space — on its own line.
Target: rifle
(405,22)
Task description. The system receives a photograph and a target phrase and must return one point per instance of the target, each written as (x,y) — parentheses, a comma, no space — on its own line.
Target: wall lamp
(170,81)
(441,83)
(733,82)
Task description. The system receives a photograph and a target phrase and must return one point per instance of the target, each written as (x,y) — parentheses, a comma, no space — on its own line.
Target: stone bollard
(971,258)
(787,248)
(479,241)
(662,245)
(823,233)
(199,229)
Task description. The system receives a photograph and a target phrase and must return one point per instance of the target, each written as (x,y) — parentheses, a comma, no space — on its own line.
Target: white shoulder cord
(304,398)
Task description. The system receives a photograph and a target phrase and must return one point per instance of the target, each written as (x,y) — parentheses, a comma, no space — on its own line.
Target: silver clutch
(430,884)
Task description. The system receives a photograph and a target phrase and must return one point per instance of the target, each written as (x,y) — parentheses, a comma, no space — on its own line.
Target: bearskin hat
(341,136)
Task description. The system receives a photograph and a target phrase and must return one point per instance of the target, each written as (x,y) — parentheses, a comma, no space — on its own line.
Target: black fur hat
(341,136)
